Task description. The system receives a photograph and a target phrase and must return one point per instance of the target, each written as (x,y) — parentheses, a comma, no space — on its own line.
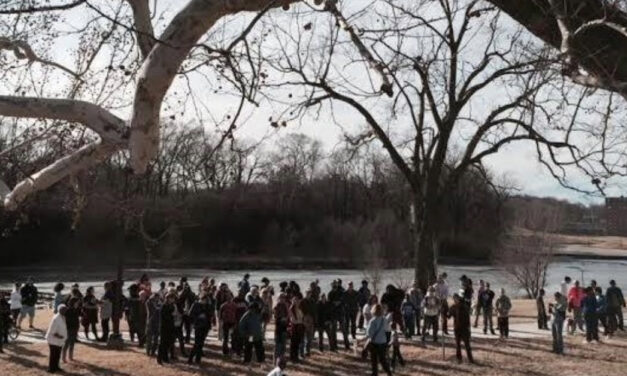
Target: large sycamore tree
(442,84)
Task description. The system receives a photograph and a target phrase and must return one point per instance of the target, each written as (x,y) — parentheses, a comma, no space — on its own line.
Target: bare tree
(138,62)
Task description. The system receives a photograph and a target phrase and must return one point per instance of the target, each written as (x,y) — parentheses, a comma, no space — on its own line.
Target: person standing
(602,310)
(72,322)
(323,321)
(136,315)
(442,291)
(250,327)
(336,298)
(558,310)
(565,286)
(576,295)
(351,308)
(58,296)
(16,302)
(460,312)
(409,317)
(106,310)
(153,321)
(298,328)
(244,284)
(478,302)
(281,323)
(29,300)
(5,319)
(615,303)
(56,337)
(486,299)
(363,296)
(415,297)
(503,306)
(237,342)
(228,320)
(589,309)
(378,341)
(308,306)
(90,313)
(200,314)
(542,316)
(431,311)
(167,335)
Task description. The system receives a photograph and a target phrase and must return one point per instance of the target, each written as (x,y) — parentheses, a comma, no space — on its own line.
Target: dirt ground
(522,354)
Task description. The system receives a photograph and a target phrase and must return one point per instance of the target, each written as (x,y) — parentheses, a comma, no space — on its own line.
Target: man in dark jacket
(336,298)
(237,341)
(460,312)
(615,305)
(363,297)
(486,300)
(153,320)
(167,334)
(184,303)
(29,300)
(351,304)
(250,328)
(589,308)
(324,311)
(136,315)
(200,315)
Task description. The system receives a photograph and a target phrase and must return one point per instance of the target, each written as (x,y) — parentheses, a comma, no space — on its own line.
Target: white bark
(163,63)
(23,50)
(143,26)
(84,158)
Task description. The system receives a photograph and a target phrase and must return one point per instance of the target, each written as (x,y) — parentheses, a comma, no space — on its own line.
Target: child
(396,349)
(409,316)
(542,316)
(503,306)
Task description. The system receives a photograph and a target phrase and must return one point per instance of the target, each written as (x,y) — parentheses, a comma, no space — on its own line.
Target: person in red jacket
(228,321)
(575,297)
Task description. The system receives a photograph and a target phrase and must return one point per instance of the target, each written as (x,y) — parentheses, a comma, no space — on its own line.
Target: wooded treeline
(200,200)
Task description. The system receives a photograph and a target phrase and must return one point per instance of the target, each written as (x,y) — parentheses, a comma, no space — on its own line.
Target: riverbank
(525,353)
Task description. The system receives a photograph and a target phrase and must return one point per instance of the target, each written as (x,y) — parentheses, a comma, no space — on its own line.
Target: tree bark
(425,242)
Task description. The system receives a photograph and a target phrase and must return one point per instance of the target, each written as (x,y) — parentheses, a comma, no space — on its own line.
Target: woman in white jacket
(56,336)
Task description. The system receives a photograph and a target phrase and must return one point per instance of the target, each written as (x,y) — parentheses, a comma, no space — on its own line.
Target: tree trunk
(425,243)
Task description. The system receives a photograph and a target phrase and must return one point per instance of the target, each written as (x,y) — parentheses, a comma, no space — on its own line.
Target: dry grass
(512,357)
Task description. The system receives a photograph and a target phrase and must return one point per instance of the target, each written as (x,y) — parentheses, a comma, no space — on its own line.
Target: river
(600,270)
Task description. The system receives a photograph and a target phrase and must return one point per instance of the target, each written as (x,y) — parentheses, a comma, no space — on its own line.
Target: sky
(517,164)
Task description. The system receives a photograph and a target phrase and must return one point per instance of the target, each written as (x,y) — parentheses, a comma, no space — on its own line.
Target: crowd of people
(162,320)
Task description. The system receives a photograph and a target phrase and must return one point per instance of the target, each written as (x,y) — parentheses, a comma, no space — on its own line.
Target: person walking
(543,318)
(15,301)
(90,313)
(72,322)
(486,299)
(200,314)
(250,328)
(29,296)
(460,312)
(589,309)
(56,337)
(378,341)
(503,306)
(615,304)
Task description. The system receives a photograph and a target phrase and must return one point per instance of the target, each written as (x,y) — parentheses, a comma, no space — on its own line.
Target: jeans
(378,356)
(298,333)
(503,323)
(592,327)
(351,322)
(152,340)
(227,331)
(322,328)
(105,329)
(259,351)
(410,329)
(557,329)
(463,335)
(310,330)
(200,335)
(280,342)
(55,356)
(487,320)
(444,316)
(430,322)
(578,316)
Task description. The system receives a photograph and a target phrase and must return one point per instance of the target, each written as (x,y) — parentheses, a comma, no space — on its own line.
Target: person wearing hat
(56,337)
(29,299)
